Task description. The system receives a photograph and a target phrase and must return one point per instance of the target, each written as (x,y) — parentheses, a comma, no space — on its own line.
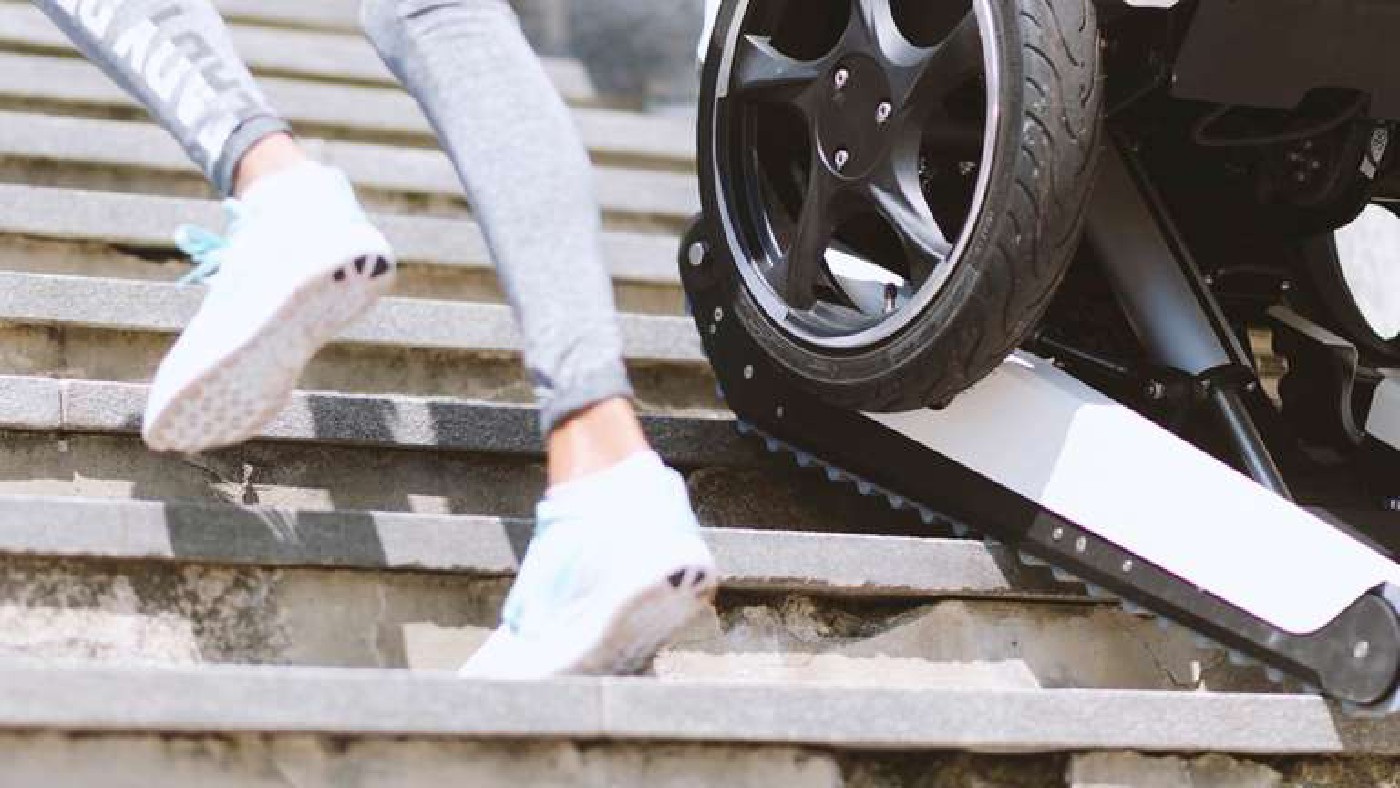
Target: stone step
(128,236)
(161,308)
(183,584)
(40,150)
(32,82)
(843,566)
(689,439)
(326,15)
(395,704)
(302,54)
(394,453)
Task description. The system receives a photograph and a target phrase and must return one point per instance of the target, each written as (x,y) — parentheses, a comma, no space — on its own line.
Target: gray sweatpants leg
(528,178)
(175,57)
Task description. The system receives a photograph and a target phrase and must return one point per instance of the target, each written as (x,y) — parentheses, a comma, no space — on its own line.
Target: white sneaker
(300,263)
(616,569)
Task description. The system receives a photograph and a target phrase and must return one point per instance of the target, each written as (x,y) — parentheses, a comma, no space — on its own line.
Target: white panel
(1045,435)
(1384,421)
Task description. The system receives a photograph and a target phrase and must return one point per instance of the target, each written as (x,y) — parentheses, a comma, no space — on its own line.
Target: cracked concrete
(324,762)
(161,613)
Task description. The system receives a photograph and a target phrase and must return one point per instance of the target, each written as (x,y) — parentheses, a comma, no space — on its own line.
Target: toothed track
(961,530)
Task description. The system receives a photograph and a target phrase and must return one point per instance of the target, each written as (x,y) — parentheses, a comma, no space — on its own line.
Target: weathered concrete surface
(141,157)
(290,700)
(323,478)
(302,761)
(341,111)
(144,221)
(308,54)
(72,351)
(420,323)
(834,565)
(1128,770)
(143,612)
(309,762)
(688,440)
(134,614)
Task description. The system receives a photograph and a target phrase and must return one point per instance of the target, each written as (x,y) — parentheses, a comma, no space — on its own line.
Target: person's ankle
(269,155)
(595,440)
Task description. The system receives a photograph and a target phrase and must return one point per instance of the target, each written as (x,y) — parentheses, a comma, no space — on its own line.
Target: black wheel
(897,187)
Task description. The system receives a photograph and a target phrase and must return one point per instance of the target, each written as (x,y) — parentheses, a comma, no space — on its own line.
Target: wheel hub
(853,116)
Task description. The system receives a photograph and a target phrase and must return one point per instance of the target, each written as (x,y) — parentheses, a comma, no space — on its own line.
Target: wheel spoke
(940,69)
(762,71)
(797,276)
(898,198)
(873,21)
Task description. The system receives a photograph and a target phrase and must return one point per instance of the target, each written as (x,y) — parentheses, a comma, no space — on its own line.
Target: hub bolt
(842,77)
(1361,651)
(697,253)
(882,112)
(843,157)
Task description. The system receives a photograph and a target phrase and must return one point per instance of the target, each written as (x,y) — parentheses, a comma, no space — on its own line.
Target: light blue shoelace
(207,249)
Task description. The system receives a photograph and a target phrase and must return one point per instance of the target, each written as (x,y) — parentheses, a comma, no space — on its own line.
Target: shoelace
(206,248)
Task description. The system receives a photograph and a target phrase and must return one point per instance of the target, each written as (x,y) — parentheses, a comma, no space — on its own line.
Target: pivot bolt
(1156,390)
(843,76)
(719,314)
(748,373)
(1361,651)
(882,112)
(697,254)
(843,157)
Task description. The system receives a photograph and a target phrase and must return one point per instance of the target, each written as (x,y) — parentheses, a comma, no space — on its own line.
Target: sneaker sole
(244,389)
(637,626)
(647,621)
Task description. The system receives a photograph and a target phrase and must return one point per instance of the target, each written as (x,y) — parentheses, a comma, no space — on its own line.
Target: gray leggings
(500,119)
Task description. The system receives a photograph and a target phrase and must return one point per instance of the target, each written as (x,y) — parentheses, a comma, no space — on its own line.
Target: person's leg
(618,564)
(301,260)
(175,57)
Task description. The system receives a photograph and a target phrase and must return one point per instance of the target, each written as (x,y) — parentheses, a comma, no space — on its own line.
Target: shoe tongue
(302,187)
(613,498)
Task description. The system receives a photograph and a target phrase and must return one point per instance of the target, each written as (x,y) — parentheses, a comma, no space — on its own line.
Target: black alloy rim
(851,178)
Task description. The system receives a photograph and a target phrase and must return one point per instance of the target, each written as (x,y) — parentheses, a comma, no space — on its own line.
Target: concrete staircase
(284,614)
